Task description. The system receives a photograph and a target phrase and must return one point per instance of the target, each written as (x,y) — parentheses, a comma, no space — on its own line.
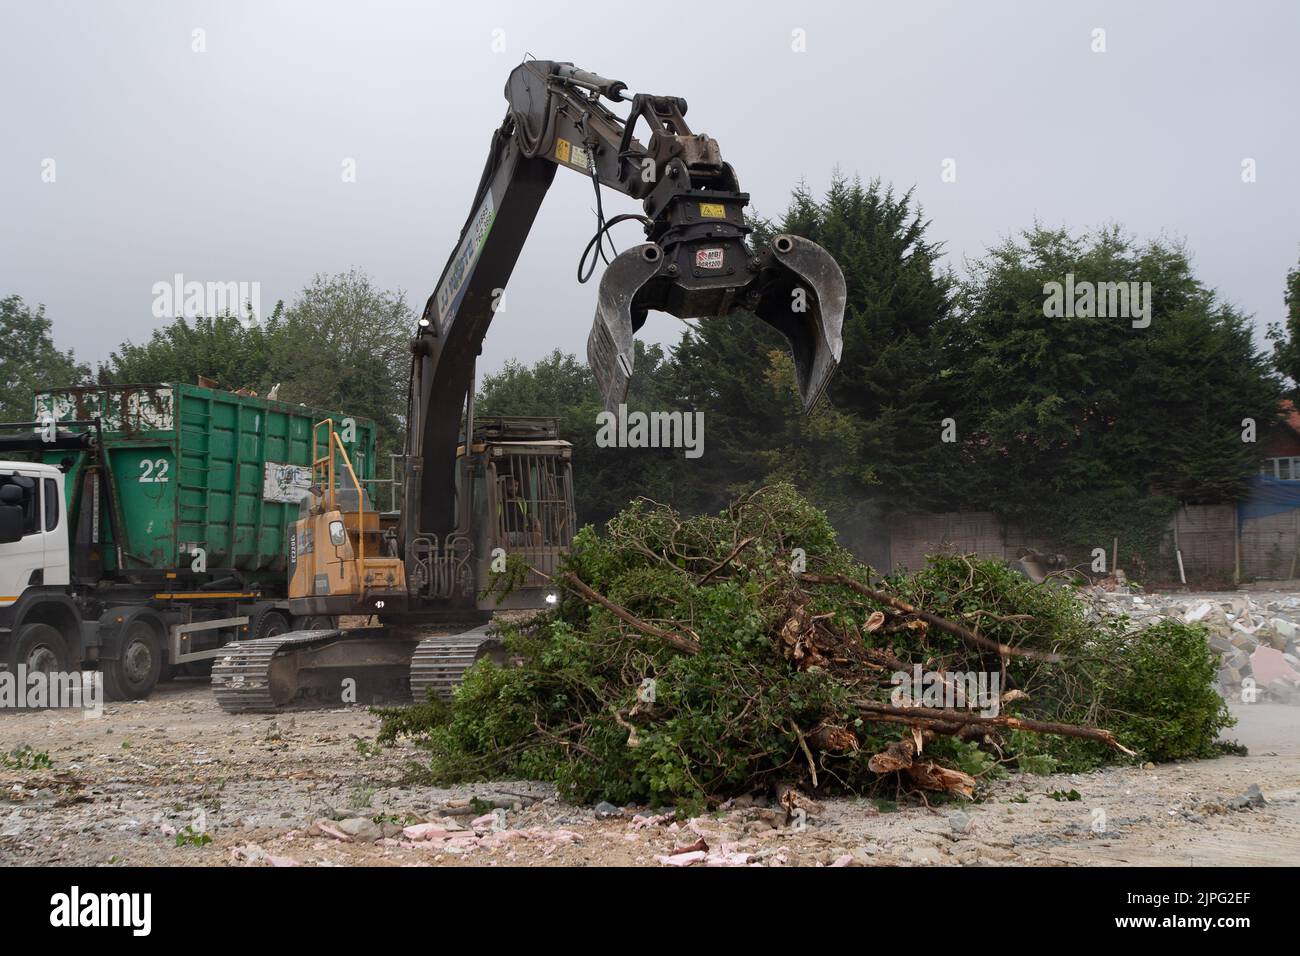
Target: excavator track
(439,663)
(331,667)
(243,679)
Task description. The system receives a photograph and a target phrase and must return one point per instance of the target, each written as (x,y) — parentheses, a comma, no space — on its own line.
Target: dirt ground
(121,788)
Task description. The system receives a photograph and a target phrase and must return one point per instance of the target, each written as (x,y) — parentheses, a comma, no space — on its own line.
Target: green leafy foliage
(25,758)
(607,710)
(341,345)
(29,361)
(1286,335)
(1071,424)
(191,837)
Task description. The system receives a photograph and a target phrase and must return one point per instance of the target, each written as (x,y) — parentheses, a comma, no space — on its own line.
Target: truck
(151,526)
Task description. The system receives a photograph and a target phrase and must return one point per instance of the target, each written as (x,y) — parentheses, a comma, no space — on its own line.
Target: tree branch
(682,643)
(943,624)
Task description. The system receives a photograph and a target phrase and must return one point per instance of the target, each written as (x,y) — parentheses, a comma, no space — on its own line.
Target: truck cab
(35,569)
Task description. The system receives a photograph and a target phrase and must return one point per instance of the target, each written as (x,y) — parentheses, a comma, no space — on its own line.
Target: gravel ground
(121,788)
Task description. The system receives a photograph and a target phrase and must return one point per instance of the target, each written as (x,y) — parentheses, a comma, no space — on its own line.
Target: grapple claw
(795,286)
(802,295)
(610,350)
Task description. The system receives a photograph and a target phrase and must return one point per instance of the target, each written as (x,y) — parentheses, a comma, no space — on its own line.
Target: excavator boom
(696,261)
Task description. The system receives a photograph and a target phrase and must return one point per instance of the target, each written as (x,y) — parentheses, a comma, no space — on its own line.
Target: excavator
(473,492)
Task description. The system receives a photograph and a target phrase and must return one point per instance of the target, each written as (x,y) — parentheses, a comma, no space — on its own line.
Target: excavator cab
(342,560)
(521,504)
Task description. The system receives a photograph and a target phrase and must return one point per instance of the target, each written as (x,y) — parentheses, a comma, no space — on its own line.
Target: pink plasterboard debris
(1268,665)
(682,859)
(325,827)
(425,831)
(640,821)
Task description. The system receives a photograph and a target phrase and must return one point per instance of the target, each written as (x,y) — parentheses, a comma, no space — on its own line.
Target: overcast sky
(226,165)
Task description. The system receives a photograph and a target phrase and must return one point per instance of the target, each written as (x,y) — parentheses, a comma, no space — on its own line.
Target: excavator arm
(695,261)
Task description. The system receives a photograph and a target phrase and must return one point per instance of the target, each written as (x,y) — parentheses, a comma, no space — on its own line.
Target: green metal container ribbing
(199,466)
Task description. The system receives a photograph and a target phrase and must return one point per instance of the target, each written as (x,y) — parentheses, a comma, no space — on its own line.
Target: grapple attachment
(794,286)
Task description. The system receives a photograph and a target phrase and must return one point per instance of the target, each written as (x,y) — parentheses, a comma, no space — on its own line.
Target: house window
(1285,469)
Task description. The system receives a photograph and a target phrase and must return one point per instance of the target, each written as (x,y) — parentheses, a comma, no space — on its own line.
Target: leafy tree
(341,345)
(235,352)
(873,444)
(344,344)
(1074,423)
(30,362)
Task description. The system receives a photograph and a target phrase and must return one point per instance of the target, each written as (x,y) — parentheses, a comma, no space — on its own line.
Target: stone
(960,822)
(361,828)
(1285,628)
(1268,664)
(864,853)
(1243,641)
(1283,692)
(924,854)
(1220,644)
(607,809)
(1253,797)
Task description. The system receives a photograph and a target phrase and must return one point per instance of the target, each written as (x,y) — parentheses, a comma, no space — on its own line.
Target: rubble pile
(1256,636)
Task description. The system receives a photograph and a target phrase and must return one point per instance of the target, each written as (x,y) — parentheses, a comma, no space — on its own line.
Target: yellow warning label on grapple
(562,150)
(713,210)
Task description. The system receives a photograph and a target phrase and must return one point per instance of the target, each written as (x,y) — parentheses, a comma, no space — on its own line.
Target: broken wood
(897,756)
(828,737)
(928,775)
(942,623)
(937,717)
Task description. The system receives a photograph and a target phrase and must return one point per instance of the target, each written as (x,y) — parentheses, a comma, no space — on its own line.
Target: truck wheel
(271,624)
(321,622)
(38,647)
(135,672)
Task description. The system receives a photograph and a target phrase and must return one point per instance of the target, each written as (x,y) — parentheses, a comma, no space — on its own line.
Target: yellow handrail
(333,441)
(361,507)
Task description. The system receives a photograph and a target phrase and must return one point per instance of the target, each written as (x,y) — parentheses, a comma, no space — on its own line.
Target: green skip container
(192,467)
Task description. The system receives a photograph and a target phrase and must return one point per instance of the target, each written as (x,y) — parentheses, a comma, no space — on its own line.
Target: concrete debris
(700,844)
(1255,634)
(252,853)
(640,821)
(960,822)
(682,859)
(1253,797)
(327,828)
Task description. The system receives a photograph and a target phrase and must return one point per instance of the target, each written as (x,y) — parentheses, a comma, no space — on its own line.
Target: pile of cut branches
(691,659)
